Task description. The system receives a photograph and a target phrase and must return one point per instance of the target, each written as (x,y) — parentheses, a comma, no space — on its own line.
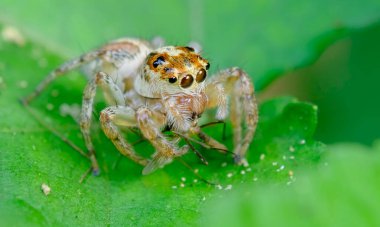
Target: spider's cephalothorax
(172,70)
(176,75)
(156,88)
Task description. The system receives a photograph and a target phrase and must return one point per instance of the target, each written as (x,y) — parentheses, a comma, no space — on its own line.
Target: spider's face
(172,70)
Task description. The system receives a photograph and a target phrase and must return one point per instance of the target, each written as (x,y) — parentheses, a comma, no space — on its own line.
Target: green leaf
(31,155)
(343,191)
(264,37)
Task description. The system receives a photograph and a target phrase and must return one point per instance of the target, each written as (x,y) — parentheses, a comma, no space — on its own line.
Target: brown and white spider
(153,88)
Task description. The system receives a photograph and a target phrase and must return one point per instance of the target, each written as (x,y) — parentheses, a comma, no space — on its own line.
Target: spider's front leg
(234,85)
(110,89)
(150,124)
(110,118)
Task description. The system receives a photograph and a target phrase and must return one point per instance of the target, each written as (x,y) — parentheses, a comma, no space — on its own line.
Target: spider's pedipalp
(151,129)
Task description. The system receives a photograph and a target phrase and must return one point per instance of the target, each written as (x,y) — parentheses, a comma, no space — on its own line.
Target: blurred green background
(344,84)
(326,53)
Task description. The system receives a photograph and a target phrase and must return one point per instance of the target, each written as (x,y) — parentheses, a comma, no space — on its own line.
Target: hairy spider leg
(235,86)
(61,70)
(211,142)
(109,117)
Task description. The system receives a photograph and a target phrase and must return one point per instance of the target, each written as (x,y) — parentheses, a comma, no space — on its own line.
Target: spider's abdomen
(121,60)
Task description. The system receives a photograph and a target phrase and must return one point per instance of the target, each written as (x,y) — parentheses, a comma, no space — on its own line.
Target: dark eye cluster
(188,80)
(159,61)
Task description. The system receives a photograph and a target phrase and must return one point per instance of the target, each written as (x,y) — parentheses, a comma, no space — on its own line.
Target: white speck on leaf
(13,35)
(228,187)
(245,163)
(282,167)
(45,189)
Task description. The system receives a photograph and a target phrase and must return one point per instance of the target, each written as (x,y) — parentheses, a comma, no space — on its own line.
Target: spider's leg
(110,89)
(214,144)
(165,149)
(115,116)
(61,70)
(235,84)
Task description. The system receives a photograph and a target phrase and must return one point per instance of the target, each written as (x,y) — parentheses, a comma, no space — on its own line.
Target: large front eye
(187,81)
(201,76)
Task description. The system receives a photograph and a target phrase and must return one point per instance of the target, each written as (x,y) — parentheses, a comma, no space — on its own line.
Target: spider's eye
(187,81)
(190,49)
(208,66)
(201,76)
(159,61)
(172,80)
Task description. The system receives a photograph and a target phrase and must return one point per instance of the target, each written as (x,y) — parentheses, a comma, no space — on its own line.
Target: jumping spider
(152,88)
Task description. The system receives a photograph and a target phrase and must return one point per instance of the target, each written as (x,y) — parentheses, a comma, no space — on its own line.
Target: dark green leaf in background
(344,84)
